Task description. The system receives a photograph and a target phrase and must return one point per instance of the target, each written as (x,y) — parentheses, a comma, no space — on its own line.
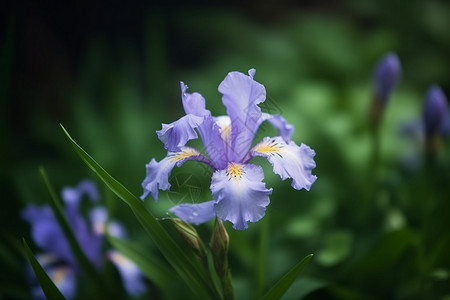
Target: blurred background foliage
(377,223)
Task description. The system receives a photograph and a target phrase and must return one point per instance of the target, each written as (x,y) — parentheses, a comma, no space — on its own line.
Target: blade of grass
(48,286)
(153,268)
(278,290)
(81,258)
(191,272)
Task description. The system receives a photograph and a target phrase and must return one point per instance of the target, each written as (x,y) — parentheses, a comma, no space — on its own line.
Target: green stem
(262,257)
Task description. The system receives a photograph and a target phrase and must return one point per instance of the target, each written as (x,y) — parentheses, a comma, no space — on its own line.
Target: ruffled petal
(285,130)
(194,213)
(130,273)
(158,172)
(239,194)
(194,103)
(288,160)
(241,96)
(175,135)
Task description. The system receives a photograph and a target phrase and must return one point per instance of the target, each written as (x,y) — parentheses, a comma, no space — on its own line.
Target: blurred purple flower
(435,111)
(385,78)
(58,260)
(239,194)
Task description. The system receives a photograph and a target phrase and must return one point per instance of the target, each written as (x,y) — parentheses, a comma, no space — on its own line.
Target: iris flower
(57,258)
(238,193)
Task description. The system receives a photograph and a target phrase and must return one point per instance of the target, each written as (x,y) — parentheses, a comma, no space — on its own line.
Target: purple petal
(158,172)
(288,160)
(132,278)
(64,279)
(239,194)
(175,135)
(241,96)
(46,232)
(285,129)
(72,195)
(62,276)
(195,213)
(209,131)
(194,103)
(212,140)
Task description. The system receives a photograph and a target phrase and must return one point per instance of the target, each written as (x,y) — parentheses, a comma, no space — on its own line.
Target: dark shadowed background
(110,72)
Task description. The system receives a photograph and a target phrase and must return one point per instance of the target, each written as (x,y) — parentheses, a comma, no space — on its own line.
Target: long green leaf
(278,290)
(49,288)
(81,258)
(153,268)
(191,272)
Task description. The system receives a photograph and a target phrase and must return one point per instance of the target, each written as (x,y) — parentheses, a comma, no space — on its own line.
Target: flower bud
(190,235)
(386,75)
(434,117)
(434,111)
(219,246)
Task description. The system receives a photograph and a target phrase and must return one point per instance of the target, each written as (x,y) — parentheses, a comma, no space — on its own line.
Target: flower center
(235,171)
(59,275)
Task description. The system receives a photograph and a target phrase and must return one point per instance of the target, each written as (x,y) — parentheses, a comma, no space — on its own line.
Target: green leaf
(49,288)
(278,290)
(81,258)
(154,269)
(193,273)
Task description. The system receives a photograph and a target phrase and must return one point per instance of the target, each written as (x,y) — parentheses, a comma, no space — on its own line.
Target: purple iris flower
(239,195)
(57,258)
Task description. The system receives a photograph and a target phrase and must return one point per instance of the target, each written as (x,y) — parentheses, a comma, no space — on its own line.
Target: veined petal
(240,195)
(132,278)
(175,135)
(241,96)
(288,160)
(158,172)
(285,130)
(195,213)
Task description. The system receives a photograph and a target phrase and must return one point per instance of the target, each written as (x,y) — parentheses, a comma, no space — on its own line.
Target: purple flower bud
(434,111)
(386,75)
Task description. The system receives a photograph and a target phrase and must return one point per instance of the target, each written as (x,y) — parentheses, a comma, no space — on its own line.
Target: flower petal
(72,195)
(285,129)
(241,96)
(195,213)
(132,278)
(175,135)
(239,194)
(209,131)
(158,172)
(63,276)
(193,103)
(46,232)
(288,160)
